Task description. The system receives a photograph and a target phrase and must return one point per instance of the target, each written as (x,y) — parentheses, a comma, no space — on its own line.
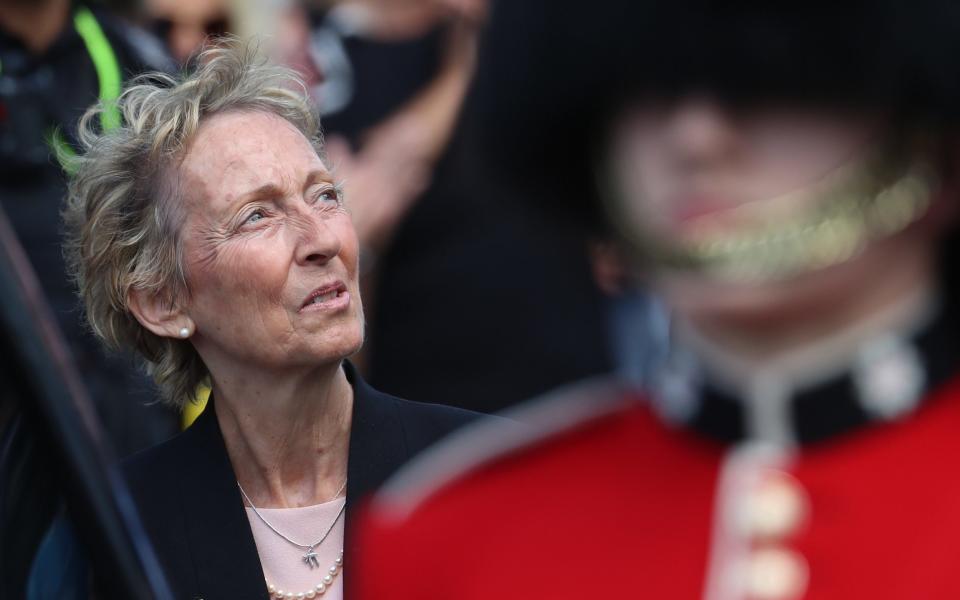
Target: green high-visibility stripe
(62,151)
(105,62)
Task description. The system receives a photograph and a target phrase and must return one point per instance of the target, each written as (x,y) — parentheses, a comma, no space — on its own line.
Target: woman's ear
(160,316)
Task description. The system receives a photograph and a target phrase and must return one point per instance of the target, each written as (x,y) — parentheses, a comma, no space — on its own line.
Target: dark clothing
(39,94)
(380,78)
(495,294)
(486,278)
(191,506)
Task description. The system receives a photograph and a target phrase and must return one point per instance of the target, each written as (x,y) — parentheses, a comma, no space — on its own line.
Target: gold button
(775,508)
(775,574)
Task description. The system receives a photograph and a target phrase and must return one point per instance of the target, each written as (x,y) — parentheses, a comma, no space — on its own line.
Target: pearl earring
(184,332)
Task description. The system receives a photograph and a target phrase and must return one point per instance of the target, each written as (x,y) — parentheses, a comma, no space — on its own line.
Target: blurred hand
(290,44)
(380,184)
(389,20)
(395,161)
(471,11)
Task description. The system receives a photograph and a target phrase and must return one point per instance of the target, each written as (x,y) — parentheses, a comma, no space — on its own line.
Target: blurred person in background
(56,58)
(209,237)
(185,25)
(394,76)
(474,267)
(635,319)
(281,28)
(788,178)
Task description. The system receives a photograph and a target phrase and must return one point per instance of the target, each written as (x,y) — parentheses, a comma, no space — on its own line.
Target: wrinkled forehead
(236,152)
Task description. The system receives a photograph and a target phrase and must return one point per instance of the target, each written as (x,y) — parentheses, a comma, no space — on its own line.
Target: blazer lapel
(377,449)
(377,446)
(220,539)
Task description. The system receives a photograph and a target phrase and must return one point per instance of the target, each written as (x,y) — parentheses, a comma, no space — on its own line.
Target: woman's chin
(302,349)
(338,343)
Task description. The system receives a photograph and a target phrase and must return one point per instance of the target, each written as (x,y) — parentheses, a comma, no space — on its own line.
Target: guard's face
(270,252)
(692,164)
(694,169)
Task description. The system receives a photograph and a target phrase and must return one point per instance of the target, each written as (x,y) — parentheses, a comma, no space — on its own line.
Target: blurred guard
(57,58)
(790,177)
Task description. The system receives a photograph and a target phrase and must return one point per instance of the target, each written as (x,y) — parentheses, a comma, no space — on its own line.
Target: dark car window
(63,533)
(40,555)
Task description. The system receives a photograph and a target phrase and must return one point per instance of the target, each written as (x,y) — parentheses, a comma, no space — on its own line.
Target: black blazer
(188,499)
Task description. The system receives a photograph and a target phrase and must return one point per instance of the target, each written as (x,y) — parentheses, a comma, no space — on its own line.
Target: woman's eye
(329,196)
(254,217)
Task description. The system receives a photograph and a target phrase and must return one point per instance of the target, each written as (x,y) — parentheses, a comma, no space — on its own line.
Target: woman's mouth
(328,297)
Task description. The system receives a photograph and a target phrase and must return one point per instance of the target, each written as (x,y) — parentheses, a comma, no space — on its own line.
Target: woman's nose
(317,243)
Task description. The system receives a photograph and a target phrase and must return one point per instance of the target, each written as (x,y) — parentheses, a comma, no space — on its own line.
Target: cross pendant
(310,559)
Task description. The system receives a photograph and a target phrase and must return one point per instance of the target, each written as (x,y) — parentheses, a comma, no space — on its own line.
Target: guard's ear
(158,314)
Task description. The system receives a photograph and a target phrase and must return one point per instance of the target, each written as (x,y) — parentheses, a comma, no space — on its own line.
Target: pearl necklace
(316,591)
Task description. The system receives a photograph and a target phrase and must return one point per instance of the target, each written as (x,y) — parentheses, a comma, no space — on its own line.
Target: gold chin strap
(836,219)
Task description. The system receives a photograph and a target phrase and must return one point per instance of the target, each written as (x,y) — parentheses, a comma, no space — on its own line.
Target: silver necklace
(310,558)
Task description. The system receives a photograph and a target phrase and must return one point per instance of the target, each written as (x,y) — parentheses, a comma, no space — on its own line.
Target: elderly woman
(208,235)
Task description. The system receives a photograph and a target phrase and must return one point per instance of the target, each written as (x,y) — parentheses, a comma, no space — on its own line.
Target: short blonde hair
(124,214)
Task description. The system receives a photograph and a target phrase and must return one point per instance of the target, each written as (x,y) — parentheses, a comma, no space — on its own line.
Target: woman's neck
(287,436)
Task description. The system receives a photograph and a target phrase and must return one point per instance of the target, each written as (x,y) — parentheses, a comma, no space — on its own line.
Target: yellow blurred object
(193,409)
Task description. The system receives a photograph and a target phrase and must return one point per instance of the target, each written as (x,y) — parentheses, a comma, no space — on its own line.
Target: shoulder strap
(104,61)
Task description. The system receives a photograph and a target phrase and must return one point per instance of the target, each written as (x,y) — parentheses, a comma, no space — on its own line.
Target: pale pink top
(282,562)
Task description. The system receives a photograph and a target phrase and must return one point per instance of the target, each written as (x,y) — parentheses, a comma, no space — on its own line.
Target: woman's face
(269,250)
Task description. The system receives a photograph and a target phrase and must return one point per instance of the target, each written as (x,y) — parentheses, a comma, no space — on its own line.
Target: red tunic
(621,506)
